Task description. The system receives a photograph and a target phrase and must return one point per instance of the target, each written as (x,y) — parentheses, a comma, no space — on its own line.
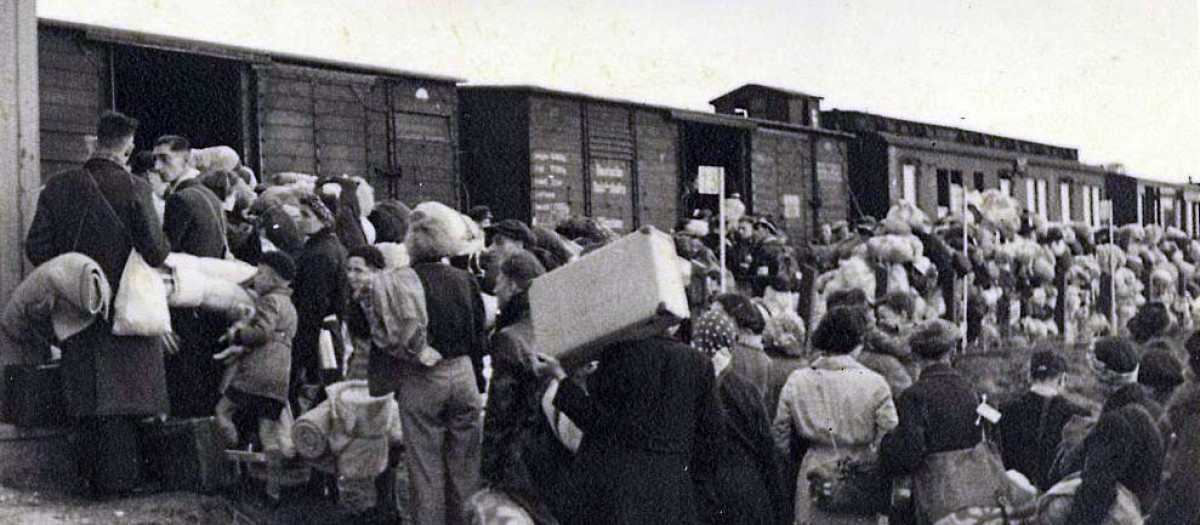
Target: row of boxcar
(541,155)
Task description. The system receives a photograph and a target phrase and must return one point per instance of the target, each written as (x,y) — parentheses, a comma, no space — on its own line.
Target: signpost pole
(721,225)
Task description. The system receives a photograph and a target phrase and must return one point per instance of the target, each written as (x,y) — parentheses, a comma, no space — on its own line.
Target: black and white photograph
(585,262)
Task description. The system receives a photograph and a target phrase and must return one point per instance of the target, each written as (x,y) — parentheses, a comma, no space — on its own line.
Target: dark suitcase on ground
(33,396)
(186,456)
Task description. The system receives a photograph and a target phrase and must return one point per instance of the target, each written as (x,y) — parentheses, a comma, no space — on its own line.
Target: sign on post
(708,180)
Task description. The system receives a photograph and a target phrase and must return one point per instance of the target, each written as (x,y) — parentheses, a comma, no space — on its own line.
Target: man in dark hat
(937,414)
(1031,425)
(1160,373)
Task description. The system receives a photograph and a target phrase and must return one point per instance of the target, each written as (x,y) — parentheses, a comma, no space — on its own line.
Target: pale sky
(1117,79)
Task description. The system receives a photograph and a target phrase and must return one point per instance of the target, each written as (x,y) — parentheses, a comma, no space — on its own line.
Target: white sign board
(1106,210)
(708,180)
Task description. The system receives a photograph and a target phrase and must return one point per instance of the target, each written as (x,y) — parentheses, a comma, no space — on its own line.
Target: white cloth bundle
(208,283)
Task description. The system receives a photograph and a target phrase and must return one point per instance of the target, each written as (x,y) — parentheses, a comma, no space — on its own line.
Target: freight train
(540,155)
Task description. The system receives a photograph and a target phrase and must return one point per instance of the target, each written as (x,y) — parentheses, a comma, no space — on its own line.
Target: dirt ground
(27,507)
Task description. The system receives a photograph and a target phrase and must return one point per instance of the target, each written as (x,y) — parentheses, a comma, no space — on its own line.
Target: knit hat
(515,230)
(1046,365)
(1151,320)
(713,331)
(934,339)
(1160,370)
(1115,361)
(839,332)
(280,262)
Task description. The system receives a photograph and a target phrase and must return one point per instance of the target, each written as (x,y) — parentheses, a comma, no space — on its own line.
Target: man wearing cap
(937,413)
(1031,425)
(1125,446)
(109,381)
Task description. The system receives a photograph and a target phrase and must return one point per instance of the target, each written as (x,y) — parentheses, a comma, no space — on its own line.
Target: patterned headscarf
(713,331)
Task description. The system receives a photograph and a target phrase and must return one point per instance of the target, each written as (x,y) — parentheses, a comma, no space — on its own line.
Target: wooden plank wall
(658,168)
(831,178)
(424,140)
(610,165)
(555,159)
(71,73)
(311,121)
(780,168)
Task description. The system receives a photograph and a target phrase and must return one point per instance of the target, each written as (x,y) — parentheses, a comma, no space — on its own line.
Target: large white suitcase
(626,290)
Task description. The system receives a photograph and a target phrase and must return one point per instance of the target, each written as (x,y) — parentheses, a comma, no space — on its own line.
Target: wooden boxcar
(542,155)
(931,165)
(281,112)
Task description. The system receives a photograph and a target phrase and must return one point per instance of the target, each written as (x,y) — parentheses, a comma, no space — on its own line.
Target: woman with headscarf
(746,487)
(320,289)
(836,406)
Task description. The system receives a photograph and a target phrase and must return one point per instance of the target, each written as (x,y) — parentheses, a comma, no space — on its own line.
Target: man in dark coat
(648,418)
(193,220)
(937,414)
(1180,500)
(1031,425)
(110,381)
(1124,447)
(194,224)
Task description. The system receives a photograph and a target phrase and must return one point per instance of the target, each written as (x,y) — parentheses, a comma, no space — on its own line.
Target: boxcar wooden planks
(70,96)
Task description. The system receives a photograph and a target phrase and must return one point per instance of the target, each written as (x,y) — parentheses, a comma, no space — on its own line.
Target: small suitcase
(629,289)
(33,396)
(186,456)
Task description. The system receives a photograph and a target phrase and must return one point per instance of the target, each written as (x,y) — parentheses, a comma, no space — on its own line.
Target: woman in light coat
(836,407)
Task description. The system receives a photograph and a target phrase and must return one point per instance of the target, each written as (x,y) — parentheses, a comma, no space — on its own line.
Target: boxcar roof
(233,52)
(704,117)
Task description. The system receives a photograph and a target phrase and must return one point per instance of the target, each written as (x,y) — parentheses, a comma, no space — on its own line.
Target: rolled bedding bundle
(233,271)
(910,214)
(310,434)
(192,288)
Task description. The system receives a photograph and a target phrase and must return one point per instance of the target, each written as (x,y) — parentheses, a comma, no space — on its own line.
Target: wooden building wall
(331,123)
(657,139)
(72,92)
(780,175)
(555,159)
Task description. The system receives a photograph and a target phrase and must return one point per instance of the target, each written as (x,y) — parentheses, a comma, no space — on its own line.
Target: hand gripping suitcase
(626,290)
(186,456)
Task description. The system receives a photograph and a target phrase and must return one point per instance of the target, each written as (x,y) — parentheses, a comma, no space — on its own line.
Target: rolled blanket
(193,288)
(57,300)
(310,434)
(363,458)
(236,272)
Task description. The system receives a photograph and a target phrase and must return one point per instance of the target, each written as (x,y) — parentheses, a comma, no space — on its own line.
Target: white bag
(140,308)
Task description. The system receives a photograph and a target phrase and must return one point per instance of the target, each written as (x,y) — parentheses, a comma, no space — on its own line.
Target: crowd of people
(745,413)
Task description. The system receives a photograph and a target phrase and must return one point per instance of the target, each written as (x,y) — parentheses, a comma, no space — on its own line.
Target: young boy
(258,361)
